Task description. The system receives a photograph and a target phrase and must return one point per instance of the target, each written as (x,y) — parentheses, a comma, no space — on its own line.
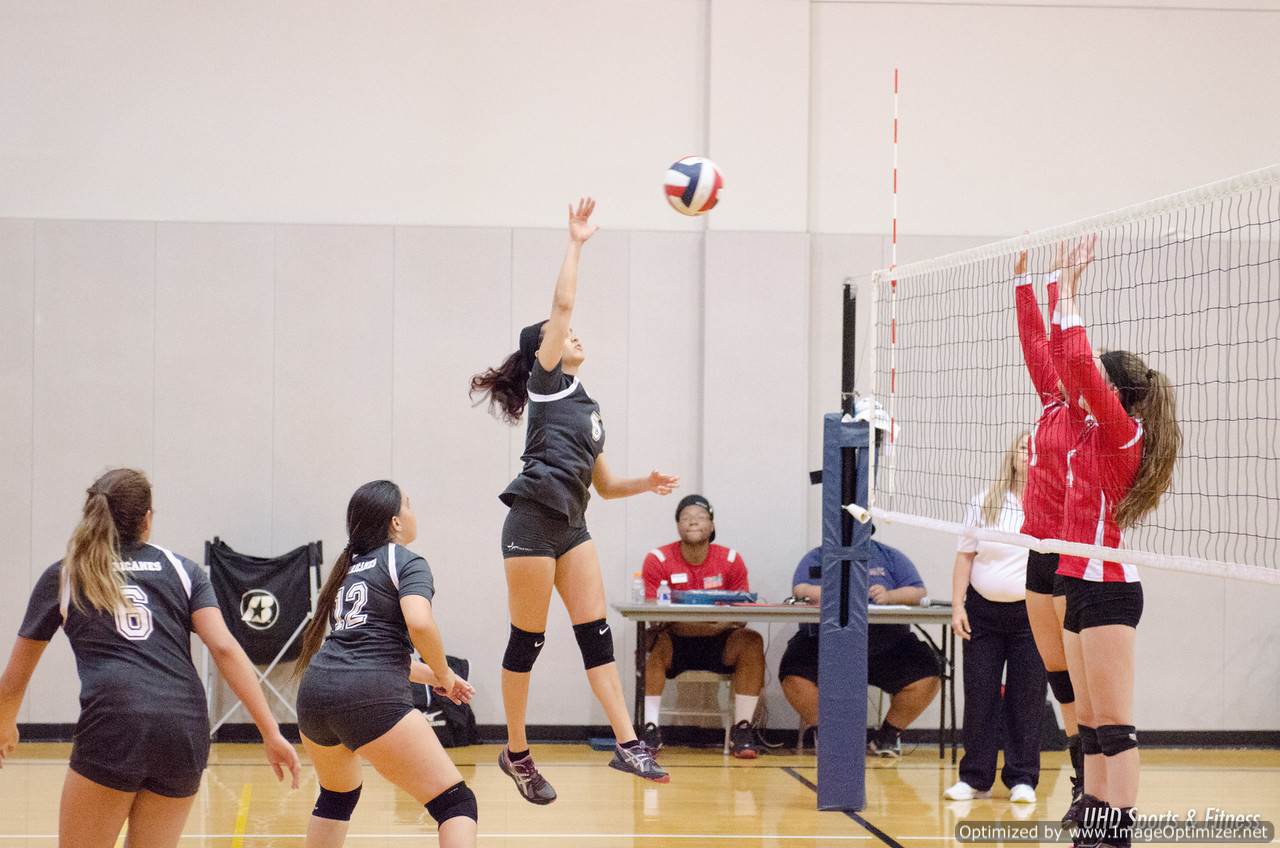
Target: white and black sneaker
(530,783)
(886,745)
(652,737)
(638,760)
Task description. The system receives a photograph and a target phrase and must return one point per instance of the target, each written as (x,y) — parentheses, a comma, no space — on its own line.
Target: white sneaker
(1022,794)
(964,792)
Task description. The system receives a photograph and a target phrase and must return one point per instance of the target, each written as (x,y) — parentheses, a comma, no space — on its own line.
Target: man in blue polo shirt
(898,662)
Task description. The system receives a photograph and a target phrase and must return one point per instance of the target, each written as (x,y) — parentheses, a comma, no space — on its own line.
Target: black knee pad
(595,640)
(1117,738)
(1060,683)
(522,650)
(457,800)
(337,806)
(1089,740)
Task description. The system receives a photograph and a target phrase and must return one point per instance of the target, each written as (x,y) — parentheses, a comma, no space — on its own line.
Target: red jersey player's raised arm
(1035,346)
(1075,362)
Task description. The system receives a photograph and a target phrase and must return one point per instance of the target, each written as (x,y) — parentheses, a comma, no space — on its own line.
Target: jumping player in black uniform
(128,608)
(354,701)
(545,542)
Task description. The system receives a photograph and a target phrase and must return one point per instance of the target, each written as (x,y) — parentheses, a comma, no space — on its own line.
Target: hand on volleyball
(663,484)
(282,755)
(8,739)
(580,226)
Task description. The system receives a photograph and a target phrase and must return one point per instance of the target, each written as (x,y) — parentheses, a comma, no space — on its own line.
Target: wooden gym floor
(711,802)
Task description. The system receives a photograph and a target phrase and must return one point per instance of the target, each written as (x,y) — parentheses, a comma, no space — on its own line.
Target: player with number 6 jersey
(128,608)
(545,541)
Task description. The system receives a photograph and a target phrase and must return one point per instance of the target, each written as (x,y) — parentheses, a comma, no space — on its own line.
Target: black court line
(872,829)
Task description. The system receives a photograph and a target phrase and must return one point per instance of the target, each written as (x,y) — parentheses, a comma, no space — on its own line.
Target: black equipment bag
(264,600)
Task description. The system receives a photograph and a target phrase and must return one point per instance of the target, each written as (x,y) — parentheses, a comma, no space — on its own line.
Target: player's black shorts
(890,670)
(698,653)
(1042,574)
(351,707)
(534,530)
(162,753)
(1093,603)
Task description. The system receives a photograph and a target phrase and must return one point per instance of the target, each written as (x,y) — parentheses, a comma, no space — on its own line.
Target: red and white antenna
(893,264)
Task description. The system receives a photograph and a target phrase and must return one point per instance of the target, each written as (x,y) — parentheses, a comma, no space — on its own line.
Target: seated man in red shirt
(695,563)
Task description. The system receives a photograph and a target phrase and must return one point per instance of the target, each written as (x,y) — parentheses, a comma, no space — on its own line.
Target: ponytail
(115,511)
(508,385)
(507,388)
(1155,406)
(313,636)
(369,514)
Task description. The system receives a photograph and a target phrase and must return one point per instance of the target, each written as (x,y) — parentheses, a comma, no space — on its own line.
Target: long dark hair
(507,386)
(1147,395)
(369,514)
(115,510)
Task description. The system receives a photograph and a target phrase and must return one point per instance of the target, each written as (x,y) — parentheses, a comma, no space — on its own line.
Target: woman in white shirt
(991,578)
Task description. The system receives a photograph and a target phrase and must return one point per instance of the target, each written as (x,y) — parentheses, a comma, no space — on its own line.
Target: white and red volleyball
(694,185)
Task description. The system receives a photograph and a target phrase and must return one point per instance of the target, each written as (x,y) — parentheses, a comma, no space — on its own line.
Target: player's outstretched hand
(282,755)
(8,740)
(580,226)
(461,693)
(663,484)
(1078,260)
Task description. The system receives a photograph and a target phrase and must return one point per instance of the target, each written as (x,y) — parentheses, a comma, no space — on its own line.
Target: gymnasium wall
(413,160)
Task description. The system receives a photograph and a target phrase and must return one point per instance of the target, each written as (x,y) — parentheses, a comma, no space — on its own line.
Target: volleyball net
(1189,282)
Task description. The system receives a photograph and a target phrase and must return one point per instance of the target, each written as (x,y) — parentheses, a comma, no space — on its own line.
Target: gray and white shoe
(638,760)
(530,783)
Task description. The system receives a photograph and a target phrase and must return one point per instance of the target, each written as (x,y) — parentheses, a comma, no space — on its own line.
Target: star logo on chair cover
(259,609)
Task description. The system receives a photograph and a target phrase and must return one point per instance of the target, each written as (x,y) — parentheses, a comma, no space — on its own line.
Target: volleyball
(693,185)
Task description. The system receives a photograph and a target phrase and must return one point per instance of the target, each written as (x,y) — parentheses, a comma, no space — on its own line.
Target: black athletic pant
(1001,635)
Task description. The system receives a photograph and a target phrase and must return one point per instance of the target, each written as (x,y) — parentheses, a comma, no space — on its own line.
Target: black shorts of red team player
(1042,574)
(1093,603)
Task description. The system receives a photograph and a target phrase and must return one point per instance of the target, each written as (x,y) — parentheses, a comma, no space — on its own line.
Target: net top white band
(1208,193)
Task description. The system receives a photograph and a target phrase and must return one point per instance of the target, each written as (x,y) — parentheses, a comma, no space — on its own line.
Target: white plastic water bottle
(637,588)
(664,593)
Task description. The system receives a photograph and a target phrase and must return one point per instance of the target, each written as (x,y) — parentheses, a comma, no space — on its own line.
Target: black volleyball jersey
(135,661)
(368,627)
(565,435)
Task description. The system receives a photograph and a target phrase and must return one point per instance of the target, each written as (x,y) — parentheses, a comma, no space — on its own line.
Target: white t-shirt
(999,570)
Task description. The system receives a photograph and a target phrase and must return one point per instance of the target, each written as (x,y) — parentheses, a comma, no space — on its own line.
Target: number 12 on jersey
(357,595)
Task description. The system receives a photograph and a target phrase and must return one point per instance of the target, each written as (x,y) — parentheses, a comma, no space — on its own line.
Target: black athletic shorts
(904,662)
(1042,574)
(1092,603)
(164,754)
(534,530)
(698,653)
(351,707)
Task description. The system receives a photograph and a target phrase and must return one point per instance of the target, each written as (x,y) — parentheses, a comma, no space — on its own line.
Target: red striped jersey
(1059,425)
(1101,466)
